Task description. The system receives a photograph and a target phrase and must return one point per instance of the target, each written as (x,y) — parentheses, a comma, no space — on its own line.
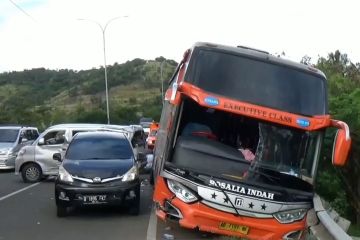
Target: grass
(354,230)
(8,90)
(118,96)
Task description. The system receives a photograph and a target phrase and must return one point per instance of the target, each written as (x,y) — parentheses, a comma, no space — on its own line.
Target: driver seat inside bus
(199,130)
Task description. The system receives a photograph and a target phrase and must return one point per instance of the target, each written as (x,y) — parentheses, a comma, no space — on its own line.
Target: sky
(49,34)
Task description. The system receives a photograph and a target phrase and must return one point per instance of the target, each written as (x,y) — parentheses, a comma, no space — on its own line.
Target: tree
(344,103)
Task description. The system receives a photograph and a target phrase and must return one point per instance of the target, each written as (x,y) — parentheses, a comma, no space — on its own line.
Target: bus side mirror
(341,148)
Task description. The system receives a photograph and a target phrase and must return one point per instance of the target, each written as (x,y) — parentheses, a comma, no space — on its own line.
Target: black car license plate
(94,199)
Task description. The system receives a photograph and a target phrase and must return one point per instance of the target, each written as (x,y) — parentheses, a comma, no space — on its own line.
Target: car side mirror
(24,140)
(41,141)
(57,157)
(342,144)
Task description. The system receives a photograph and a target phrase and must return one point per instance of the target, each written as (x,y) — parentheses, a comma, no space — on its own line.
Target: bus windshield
(283,150)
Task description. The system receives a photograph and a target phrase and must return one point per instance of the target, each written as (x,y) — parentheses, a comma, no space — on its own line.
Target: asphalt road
(28,211)
(10,183)
(31,214)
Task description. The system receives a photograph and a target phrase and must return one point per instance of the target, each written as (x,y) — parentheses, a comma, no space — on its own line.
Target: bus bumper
(198,215)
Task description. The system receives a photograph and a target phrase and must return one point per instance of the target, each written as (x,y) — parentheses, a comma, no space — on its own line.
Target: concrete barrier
(331,225)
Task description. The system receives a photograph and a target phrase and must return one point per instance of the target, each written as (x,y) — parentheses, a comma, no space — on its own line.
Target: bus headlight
(181,191)
(290,216)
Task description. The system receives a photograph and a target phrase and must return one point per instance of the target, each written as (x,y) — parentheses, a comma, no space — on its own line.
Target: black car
(98,168)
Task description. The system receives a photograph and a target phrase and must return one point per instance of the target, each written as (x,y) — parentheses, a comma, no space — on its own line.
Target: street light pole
(106,85)
(103,29)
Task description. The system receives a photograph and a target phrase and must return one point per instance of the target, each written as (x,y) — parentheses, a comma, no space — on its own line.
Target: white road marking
(152,227)
(19,191)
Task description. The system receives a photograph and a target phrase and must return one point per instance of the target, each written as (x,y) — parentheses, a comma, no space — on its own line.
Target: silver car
(12,139)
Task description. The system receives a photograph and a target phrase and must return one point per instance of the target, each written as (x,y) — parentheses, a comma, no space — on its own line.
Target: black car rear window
(99,148)
(259,82)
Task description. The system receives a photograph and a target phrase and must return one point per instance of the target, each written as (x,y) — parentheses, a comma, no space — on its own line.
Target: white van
(35,161)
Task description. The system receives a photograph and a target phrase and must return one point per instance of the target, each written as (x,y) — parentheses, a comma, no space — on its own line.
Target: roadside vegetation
(341,187)
(43,97)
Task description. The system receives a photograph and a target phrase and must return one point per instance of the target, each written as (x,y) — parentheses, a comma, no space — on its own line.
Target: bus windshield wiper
(186,172)
(195,175)
(176,169)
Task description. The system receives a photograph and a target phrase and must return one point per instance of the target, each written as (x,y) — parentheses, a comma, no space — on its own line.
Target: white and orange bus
(239,143)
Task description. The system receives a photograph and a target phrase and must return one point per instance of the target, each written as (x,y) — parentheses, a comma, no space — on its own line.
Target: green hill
(43,97)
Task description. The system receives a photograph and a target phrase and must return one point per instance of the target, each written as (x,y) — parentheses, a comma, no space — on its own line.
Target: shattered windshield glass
(287,150)
(281,151)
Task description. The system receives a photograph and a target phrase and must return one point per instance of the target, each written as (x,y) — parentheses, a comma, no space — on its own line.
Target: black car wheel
(31,173)
(61,211)
(135,204)
(152,177)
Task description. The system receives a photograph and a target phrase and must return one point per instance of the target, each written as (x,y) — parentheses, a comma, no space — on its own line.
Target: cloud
(167,28)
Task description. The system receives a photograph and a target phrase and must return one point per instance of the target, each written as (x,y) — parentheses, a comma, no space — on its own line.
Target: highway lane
(10,183)
(31,214)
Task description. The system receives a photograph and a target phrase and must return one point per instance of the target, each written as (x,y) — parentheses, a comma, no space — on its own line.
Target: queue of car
(35,162)
(94,164)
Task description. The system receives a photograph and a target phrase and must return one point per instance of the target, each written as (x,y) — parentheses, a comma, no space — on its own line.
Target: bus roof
(262,55)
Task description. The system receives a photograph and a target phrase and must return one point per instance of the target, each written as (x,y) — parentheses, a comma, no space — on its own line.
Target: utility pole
(103,29)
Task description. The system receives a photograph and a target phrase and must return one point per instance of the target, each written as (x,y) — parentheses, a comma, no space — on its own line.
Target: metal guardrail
(327,228)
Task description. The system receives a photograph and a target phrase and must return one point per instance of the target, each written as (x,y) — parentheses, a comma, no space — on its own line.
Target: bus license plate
(234,227)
